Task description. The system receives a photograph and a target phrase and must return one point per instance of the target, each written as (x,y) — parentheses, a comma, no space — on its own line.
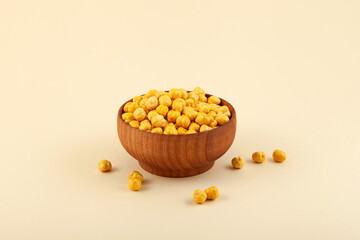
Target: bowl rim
(232,118)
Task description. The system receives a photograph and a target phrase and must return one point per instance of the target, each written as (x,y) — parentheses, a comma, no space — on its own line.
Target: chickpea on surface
(199,196)
(258,157)
(135,184)
(104,165)
(279,156)
(136,174)
(212,193)
(238,162)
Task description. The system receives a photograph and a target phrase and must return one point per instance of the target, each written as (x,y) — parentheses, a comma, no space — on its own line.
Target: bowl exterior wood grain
(177,155)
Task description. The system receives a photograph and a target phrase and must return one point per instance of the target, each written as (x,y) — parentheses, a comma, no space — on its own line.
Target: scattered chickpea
(258,157)
(145,125)
(139,114)
(205,128)
(183,121)
(212,193)
(127,117)
(165,100)
(199,196)
(173,115)
(136,174)
(214,99)
(157,130)
(134,124)
(238,162)
(104,165)
(279,156)
(222,119)
(135,184)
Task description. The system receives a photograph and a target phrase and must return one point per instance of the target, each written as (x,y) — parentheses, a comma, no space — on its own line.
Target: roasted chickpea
(199,196)
(134,124)
(136,174)
(279,156)
(139,114)
(133,106)
(170,130)
(194,126)
(145,125)
(154,93)
(165,100)
(213,123)
(158,121)
(224,110)
(127,117)
(202,98)
(212,193)
(190,131)
(157,130)
(151,103)
(173,115)
(190,112)
(212,114)
(214,107)
(190,103)
(137,99)
(202,119)
(193,96)
(183,121)
(184,93)
(162,110)
(126,106)
(199,91)
(151,114)
(238,162)
(104,165)
(214,99)
(205,128)
(135,184)
(142,103)
(221,119)
(175,93)
(181,130)
(203,107)
(177,106)
(258,157)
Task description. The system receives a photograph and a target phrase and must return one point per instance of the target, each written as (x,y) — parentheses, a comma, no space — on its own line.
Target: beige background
(290,68)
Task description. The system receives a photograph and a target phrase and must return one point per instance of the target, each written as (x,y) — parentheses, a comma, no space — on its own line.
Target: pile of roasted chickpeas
(175,112)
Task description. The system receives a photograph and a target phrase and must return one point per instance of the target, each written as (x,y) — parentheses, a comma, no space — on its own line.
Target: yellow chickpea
(151,114)
(157,130)
(135,184)
(205,128)
(158,121)
(194,126)
(142,103)
(171,131)
(184,93)
(190,131)
(162,110)
(154,93)
(212,193)
(133,106)
(136,174)
(175,93)
(193,96)
(183,121)
(199,91)
(104,165)
(213,123)
(165,100)
(258,157)
(279,156)
(238,162)
(202,119)
(145,125)
(173,115)
(190,103)
(202,98)
(214,100)
(127,117)
(134,124)
(151,103)
(139,114)
(199,196)
(137,99)
(126,106)
(181,130)
(212,114)
(203,107)
(214,107)
(221,119)
(190,112)
(177,106)
(224,110)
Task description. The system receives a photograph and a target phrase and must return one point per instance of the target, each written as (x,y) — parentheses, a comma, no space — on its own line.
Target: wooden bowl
(177,155)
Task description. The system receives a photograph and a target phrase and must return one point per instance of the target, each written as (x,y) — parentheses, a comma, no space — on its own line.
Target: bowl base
(176,173)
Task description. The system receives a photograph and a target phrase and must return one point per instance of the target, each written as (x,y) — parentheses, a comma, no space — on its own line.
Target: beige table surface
(290,68)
